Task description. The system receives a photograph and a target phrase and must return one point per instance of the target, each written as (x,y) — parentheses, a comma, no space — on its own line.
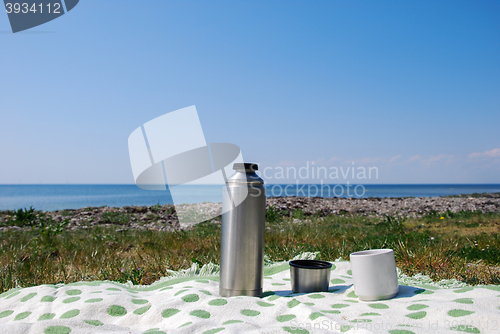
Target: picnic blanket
(188,302)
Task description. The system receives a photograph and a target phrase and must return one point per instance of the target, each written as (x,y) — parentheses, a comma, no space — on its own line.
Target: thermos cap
(245,166)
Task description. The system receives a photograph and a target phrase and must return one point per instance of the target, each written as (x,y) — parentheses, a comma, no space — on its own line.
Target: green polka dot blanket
(188,302)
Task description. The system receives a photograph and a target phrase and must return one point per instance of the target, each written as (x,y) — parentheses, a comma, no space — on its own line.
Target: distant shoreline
(60,197)
(366,184)
(164,218)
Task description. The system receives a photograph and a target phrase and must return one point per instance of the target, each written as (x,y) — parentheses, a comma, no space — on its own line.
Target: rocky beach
(164,218)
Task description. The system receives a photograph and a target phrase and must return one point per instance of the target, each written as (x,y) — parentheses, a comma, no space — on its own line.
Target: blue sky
(411,88)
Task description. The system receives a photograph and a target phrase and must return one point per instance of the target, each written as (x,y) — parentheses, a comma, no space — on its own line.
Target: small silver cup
(310,275)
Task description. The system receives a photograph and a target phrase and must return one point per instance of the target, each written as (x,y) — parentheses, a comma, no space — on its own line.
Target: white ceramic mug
(374,273)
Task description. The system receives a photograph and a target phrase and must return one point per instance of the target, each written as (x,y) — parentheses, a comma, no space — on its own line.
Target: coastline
(164,218)
(48,197)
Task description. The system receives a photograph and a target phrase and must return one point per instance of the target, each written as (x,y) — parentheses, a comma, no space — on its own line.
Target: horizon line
(201,184)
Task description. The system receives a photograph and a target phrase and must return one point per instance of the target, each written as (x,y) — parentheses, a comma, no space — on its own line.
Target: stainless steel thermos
(242,238)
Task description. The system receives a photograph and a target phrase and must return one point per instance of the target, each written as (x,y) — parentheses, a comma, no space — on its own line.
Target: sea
(59,197)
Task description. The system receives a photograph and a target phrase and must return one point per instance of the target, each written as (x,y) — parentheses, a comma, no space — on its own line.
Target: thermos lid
(245,175)
(246,166)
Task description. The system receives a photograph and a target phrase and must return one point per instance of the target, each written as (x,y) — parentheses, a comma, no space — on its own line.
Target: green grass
(476,195)
(464,245)
(118,218)
(21,217)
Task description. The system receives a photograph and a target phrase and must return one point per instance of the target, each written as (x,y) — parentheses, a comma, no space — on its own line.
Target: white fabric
(188,302)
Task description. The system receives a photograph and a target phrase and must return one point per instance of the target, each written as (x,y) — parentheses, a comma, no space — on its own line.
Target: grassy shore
(463,245)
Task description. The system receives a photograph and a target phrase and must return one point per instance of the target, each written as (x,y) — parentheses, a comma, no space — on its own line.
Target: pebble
(164,218)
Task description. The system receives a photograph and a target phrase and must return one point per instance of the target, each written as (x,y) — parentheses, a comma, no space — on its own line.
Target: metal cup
(310,275)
